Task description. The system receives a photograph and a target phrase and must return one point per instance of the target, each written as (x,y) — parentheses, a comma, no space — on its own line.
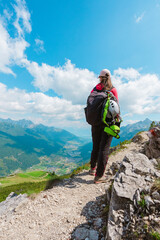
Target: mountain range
(25,146)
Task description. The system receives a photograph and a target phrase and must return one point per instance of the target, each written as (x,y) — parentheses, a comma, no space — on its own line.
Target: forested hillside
(26,146)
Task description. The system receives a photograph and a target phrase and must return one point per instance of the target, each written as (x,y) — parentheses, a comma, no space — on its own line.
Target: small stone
(148,179)
(157,220)
(157,202)
(157,174)
(154,161)
(150,217)
(145,218)
(131,208)
(93,235)
(148,201)
(98,223)
(153,209)
(137,196)
(81,233)
(156,195)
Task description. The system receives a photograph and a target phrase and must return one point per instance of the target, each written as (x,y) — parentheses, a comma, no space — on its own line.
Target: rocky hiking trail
(74,209)
(71,206)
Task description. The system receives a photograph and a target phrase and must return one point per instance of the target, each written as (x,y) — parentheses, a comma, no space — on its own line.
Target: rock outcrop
(12,203)
(152,147)
(133,205)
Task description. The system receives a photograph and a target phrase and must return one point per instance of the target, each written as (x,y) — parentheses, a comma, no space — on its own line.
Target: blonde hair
(106,82)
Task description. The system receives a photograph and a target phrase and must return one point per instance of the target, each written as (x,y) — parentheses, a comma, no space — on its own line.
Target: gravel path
(56,213)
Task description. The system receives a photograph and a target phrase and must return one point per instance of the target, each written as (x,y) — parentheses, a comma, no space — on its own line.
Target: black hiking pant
(101,144)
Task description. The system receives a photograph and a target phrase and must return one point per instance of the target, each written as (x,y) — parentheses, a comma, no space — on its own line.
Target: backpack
(93,110)
(98,111)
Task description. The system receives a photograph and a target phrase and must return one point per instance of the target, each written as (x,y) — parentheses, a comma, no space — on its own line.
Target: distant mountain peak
(147,120)
(23,122)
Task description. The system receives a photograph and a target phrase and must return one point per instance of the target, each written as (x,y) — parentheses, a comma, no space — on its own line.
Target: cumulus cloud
(139,18)
(139,95)
(12,49)
(36,104)
(68,81)
(128,74)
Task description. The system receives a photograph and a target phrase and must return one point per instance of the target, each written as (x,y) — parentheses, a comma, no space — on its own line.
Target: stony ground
(67,208)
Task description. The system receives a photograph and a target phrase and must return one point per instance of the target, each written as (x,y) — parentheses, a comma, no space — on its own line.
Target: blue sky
(52,52)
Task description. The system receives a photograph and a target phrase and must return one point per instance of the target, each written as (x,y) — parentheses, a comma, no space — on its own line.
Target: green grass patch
(121,146)
(139,133)
(35,174)
(142,202)
(33,182)
(154,235)
(80,169)
(125,142)
(27,187)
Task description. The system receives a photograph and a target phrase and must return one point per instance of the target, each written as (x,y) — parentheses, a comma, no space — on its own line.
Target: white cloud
(22,14)
(139,95)
(127,115)
(139,18)
(130,122)
(73,84)
(20,103)
(7,15)
(12,49)
(39,45)
(127,74)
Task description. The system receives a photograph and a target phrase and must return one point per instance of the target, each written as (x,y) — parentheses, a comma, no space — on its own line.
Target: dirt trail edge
(56,213)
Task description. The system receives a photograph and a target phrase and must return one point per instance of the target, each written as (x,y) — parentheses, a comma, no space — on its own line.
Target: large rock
(128,182)
(12,203)
(152,147)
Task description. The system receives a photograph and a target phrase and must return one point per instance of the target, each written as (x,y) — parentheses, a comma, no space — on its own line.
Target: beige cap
(104,72)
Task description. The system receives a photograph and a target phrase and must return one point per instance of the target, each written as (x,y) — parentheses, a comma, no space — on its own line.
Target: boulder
(152,147)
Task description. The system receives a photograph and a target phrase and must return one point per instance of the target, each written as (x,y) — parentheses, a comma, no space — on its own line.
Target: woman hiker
(101,140)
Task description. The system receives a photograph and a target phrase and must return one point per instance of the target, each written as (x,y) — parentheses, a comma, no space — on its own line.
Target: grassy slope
(32,182)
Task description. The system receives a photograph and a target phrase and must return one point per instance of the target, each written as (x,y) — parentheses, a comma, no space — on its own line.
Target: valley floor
(56,213)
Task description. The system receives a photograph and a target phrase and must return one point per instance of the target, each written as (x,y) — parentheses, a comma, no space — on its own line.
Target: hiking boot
(92,171)
(102,179)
